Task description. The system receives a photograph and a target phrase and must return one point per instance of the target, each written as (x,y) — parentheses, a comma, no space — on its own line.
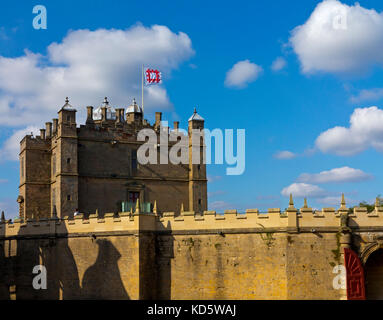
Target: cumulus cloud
(300,190)
(212,179)
(86,66)
(242,73)
(335,200)
(337,175)
(220,205)
(11,148)
(367,95)
(365,131)
(278,64)
(339,38)
(285,155)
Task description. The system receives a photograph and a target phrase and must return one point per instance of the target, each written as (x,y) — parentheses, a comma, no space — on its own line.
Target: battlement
(290,220)
(105,121)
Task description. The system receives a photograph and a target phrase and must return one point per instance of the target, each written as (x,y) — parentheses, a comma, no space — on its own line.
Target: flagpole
(142,93)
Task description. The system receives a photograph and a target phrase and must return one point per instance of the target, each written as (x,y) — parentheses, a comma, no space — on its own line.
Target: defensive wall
(289,254)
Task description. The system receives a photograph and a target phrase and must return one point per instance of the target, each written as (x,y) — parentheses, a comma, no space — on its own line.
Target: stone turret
(197,168)
(134,113)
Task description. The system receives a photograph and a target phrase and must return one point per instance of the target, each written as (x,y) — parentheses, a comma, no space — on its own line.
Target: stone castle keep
(95,167)
(168,246)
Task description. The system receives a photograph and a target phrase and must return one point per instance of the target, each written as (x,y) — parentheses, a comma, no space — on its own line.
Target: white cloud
(220,205)
(215,193)
(242,73)
(285,155)
(300,190)
(212,179)
(3,180)
(278,64)
(11,148)
(365,131)
(86,66)
(367,95)
(339,38)
(335,201)
(337,175)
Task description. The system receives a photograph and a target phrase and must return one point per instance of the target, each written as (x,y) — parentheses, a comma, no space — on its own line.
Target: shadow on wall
(102,280)
(18,257)
(164,257)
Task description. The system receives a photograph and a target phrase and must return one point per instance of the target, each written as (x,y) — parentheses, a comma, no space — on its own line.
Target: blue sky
(325,76)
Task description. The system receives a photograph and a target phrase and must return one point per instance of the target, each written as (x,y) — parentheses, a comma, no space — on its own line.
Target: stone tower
(197,167)
(64,162)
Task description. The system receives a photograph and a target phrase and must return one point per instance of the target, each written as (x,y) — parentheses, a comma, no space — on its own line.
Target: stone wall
(279,255)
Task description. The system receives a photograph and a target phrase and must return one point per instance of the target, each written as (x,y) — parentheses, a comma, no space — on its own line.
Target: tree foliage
(370,207)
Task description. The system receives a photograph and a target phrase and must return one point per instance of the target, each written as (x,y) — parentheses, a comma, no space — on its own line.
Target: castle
(168,250)
(95,167)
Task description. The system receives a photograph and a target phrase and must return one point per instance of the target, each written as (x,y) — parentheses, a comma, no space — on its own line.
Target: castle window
(68,118)
(199,167)
(68,161)
(68,197)
(134,159)
(133,196)
(199,201)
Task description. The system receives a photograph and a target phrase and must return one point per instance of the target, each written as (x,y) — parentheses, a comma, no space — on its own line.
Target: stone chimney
(89,112)
(176,125)
(42,134)
(120,115)
(158,119)
(48,128)
(103,113)
(55,125)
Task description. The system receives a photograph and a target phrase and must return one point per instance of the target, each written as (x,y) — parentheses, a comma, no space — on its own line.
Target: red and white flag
(152,76)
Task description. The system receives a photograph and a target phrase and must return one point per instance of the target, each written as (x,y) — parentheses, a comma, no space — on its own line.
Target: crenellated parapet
(123,222)
(290,220)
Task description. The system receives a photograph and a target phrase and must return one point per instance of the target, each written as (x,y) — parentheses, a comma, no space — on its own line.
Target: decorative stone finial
(2,216)
(67,106)
(291,202)
(138,209)
(343,202)
(182,207)
(97,213)
(305,203)
(377,202)
(155,207)
(195,116)
(106,101)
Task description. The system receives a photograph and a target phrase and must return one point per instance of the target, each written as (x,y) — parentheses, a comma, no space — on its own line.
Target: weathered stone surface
(145,256)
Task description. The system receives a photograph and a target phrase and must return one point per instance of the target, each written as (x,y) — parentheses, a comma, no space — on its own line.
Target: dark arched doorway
(374,275)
